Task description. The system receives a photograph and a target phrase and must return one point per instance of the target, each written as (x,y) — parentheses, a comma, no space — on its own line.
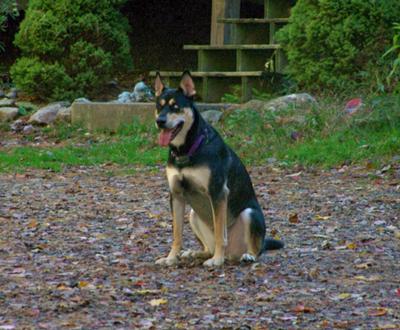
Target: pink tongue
(164,138)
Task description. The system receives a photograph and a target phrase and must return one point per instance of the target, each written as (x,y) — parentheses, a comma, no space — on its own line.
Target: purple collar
(185,159)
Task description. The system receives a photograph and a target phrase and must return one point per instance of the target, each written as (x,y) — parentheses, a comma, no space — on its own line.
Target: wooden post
(217,29)
(222,33)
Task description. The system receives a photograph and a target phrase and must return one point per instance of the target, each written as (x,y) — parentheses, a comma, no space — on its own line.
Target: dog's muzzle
(161,121)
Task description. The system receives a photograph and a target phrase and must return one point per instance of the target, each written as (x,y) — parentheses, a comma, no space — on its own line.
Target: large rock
(48,114)
(13,94)
(64,115)
(8,113)
(7,103)
(280,103)
(111,116)
(212,116)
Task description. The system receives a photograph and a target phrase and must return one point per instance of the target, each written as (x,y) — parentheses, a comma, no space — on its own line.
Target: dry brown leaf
(303,309)
(158,302)
(380,311)
(294,218)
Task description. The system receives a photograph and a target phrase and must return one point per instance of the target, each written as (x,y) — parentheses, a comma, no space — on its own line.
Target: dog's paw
(188,254)
(246,257)
(214,262)
(168,261)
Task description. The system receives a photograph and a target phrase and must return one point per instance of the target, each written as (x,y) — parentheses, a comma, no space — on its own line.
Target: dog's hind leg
(246,236)
(254,232)
(204,235)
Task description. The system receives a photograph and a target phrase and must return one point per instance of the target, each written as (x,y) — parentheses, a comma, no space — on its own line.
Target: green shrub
(339,44)
(394,75)
(70,48)
(37,77)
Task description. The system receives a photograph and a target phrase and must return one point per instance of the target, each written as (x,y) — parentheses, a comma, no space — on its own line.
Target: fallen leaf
(365,265)
(63,287)
(147,291)
(389,326)
(303,309)
(294,175)
(343,296)
(83,284)
(351,246)
(33,224)
(139,283)
(294,218)
(158,302)
(368,279)
(325,324)
(342,324)
(320,217)
(380,311)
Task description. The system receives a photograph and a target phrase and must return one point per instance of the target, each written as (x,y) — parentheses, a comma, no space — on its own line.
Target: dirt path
(77,251)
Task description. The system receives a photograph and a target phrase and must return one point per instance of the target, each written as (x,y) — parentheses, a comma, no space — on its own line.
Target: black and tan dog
(205,173)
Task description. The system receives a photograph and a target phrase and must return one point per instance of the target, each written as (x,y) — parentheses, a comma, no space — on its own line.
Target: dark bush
(8,8)
(339,44)
(70,48)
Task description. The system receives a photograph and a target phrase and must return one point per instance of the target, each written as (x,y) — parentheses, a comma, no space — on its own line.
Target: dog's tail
(272,244)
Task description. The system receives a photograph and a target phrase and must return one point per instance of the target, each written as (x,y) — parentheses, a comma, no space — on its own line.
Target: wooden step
(211,86)
(232,47)
(253,20)
(217,74)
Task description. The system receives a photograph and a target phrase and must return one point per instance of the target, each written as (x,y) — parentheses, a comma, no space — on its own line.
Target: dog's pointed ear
(187,84)
(158,84)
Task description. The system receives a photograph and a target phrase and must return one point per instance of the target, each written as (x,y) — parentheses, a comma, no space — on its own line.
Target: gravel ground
(77,251)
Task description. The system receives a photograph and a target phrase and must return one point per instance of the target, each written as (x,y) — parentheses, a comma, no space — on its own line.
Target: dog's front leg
(178,214)
(220,231)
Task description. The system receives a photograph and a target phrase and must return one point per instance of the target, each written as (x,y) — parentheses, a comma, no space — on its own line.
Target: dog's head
(174,111)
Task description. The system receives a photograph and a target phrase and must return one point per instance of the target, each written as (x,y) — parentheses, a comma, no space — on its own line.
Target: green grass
(133,144)
(327,138)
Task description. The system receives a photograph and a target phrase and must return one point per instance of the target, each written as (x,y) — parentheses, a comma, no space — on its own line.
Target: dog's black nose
(161,121)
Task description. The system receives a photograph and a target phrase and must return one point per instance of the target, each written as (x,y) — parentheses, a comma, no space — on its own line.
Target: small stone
(48,114)
(17,126)
(280,103)
(126,97)
(8,114)
(7,103)
(13,94)
(64,115)
(82,100)
(28,129)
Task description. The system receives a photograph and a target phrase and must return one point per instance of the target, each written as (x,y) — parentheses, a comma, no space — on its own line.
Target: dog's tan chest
(192,184)
(189,178)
